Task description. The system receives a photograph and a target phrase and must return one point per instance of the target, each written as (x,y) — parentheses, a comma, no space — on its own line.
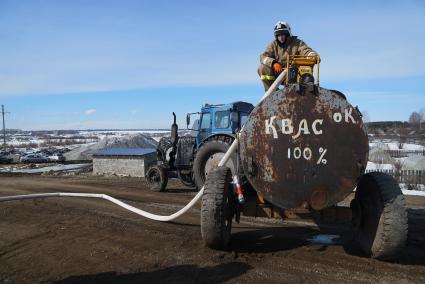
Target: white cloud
(90,111)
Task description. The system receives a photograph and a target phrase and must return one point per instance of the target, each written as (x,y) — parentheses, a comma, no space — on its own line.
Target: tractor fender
(219,136)
(205,158)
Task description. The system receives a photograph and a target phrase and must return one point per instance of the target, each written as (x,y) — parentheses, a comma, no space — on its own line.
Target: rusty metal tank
(305,148)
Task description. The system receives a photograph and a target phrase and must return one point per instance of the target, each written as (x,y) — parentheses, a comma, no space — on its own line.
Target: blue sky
(129,64)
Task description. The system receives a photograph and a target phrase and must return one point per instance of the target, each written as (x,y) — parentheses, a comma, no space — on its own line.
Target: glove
(277,68)
(313,55)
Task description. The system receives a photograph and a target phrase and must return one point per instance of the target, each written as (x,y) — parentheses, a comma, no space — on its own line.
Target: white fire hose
(133,209)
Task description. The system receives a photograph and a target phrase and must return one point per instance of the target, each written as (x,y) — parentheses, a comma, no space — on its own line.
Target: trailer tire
(156,178)
(218,208)
(380,216)
(207,152)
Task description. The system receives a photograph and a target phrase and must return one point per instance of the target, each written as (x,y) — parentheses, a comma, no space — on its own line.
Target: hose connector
(238,190)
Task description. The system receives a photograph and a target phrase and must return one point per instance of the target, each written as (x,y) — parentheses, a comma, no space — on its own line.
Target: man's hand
(313,55)
(277,68)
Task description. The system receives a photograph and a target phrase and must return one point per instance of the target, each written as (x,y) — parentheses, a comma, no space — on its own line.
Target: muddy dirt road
(75,240)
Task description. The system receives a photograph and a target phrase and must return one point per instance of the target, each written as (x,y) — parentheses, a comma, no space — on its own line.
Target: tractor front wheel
(156,178)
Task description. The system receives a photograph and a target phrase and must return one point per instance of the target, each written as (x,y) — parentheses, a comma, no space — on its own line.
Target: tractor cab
(219,119)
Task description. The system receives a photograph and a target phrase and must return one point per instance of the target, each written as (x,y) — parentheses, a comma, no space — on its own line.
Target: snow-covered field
(395,146)
(375,166)
(408,156)
(29,142)
(81,137)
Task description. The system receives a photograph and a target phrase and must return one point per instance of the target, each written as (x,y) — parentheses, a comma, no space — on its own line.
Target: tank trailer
(304,146)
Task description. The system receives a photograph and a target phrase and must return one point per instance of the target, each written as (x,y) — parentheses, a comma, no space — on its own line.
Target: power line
(4,124)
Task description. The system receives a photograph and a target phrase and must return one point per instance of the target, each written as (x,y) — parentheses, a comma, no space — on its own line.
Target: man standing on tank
(274,57)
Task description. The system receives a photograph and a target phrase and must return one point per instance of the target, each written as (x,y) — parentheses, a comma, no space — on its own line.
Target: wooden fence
(405,176)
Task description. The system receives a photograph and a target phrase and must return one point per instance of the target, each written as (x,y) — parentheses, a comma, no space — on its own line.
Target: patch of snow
(374,166)
(400,160)
(414,192)
(56,168)
(418,187)
(323,239)
(394,146)
(413,147)
(414,162)
(124,132)
(85,152)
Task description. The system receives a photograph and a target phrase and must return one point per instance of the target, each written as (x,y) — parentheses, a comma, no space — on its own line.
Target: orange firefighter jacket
(276,52)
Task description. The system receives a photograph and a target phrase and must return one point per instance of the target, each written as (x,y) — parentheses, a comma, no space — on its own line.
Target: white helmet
(282,28)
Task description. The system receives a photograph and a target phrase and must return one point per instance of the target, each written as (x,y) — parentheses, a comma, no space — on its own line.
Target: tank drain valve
(238,190)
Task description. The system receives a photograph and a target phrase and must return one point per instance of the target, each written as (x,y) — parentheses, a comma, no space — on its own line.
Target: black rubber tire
(208,149)
(186,178)
(156,178)
(218,208)
(380,220)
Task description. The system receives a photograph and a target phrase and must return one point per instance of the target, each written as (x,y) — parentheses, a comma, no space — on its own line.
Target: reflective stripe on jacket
(276,52)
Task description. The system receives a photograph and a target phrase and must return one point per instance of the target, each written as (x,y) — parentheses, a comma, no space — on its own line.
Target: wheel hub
(214,160)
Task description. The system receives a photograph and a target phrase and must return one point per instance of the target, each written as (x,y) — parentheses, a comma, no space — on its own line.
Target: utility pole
(4,125)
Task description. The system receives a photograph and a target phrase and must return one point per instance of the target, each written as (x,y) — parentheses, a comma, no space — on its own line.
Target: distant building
(131,162)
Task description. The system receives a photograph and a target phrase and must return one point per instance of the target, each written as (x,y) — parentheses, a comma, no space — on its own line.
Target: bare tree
(366,120)
(403,134)
(422,114)
(415,119)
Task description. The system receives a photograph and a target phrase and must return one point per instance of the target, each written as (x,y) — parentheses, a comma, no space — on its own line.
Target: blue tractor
(191,157)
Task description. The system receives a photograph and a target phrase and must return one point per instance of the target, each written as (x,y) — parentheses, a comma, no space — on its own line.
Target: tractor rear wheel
(218,208)
(208,157)
(379,216)
(156,178)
